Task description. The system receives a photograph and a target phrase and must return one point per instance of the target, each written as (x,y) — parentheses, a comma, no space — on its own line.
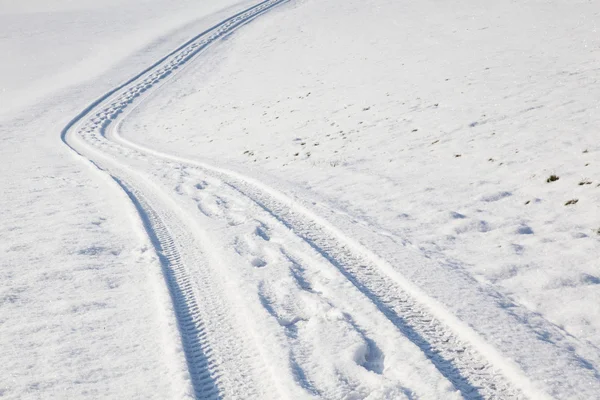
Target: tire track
(203,374)
(455,357)
(457,360)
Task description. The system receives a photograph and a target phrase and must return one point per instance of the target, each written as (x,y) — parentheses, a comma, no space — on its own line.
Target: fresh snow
(299,199)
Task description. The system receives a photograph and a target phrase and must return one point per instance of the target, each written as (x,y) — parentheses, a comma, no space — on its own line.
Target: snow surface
(438,124)
(347,199)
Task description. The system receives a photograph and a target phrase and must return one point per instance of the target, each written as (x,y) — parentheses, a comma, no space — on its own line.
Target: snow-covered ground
(314,199)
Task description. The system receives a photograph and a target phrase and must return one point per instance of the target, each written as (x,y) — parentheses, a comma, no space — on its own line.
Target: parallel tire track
(456,359)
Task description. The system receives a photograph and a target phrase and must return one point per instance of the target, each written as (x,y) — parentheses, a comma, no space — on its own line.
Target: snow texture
(299,199)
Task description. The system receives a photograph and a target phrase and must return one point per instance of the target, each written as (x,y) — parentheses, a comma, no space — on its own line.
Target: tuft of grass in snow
(585,182)
(571,202)
(552,178)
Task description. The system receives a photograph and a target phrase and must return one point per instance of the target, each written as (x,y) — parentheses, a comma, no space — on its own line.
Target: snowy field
(358,199)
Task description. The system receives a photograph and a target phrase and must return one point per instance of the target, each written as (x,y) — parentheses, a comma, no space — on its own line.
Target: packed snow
(299,199)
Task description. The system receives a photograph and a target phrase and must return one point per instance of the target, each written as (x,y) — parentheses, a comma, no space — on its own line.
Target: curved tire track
(459,354)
